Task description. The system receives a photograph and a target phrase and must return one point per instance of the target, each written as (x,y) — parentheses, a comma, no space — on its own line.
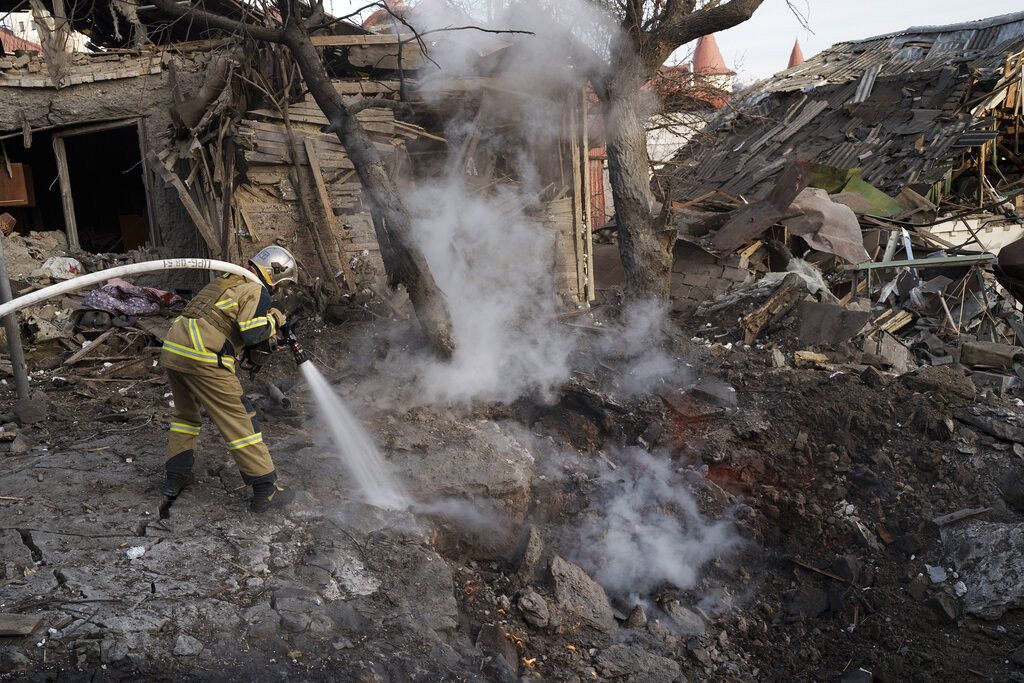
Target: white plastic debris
(135,552)
(108,365)
(960,588)
(935,574)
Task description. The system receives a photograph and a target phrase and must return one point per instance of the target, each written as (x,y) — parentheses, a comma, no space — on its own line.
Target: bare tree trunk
(646,259)
(403,261)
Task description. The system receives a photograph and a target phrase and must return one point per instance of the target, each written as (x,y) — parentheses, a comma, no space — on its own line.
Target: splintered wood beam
(202,225)
(372,39)
(325,202)
(789,293)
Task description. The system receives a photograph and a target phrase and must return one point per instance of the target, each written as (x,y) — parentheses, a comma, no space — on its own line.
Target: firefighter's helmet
(275,265)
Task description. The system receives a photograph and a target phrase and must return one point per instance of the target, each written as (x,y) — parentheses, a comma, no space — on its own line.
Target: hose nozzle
(292,340)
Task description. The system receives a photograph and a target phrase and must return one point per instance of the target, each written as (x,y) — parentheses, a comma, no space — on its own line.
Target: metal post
(13,333)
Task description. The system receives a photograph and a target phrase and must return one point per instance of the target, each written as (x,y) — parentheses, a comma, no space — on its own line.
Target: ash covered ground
(730,518)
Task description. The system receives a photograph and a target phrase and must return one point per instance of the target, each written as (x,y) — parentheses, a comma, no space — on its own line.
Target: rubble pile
(860,527)
(829,280)
(113,323)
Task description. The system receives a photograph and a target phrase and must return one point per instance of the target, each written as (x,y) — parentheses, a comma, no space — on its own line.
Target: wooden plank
(386,56)
(325,143)
(171,178)
(370,39)
(788,294)
(18,624)
(368,87)
(952,517)
(578,221)
(325,203)
(588,238)
(261,158)
(67,201)
(147,183)
(91,348)
(375,124)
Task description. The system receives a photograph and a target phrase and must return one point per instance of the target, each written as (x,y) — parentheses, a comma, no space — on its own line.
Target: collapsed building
(855,164)
(171,138)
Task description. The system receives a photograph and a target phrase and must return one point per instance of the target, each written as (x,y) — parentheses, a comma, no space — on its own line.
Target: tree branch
(682,27)
(267,33)
(470,28)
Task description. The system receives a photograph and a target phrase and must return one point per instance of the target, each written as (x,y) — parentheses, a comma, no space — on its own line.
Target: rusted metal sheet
(753,219)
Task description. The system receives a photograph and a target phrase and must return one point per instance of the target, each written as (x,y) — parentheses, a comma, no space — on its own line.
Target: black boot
(178,474)
(270,495)
(174,483)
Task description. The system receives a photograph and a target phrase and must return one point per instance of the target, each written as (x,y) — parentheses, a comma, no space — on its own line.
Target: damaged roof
(897,106)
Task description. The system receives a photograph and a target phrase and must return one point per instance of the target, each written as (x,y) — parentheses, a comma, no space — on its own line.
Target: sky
(761,46)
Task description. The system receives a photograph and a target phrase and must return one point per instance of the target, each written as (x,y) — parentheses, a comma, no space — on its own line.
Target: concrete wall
(147,96)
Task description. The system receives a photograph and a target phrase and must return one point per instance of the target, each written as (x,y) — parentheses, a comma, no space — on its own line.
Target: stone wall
(697,276)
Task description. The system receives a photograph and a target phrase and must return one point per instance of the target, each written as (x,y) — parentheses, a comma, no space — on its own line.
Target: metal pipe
(120,271)
(17,354)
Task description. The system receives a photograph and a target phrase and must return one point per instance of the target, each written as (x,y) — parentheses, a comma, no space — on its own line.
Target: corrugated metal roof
(893,105)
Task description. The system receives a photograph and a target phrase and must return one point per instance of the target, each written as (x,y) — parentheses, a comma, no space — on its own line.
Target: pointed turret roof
(796,57)
(708,60)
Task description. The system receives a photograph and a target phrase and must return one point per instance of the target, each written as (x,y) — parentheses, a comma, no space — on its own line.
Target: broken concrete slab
(18,624)
(31,410)
(886,352)
(988,557)
(1001,424)
(825,324)
(990,355)
(687,621)
(474,458)
(1000,385)
(187,646)
(534,608)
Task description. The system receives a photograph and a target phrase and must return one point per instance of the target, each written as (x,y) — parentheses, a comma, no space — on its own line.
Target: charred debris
(844,215)
(857,202)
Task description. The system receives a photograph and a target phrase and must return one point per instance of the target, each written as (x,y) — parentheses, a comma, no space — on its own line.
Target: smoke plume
(643,528)
(486,240)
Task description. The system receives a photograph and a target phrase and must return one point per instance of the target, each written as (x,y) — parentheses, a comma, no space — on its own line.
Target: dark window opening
(106,188)
(105,169)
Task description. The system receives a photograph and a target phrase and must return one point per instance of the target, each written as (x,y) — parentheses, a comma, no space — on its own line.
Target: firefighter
(229,316)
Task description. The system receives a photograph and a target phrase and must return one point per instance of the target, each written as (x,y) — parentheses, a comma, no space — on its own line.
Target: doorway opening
(89,181)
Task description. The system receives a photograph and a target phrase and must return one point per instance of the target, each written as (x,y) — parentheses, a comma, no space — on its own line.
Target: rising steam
(644,529)
(487,243)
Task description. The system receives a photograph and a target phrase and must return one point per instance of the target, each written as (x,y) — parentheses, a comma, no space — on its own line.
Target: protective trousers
(222,397)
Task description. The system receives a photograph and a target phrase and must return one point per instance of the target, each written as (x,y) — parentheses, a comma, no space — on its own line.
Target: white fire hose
(120,271)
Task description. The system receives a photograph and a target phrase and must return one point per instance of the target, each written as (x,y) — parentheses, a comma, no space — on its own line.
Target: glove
(278,316)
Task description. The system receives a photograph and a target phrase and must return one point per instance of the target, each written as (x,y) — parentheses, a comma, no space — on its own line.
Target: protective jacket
(226,316)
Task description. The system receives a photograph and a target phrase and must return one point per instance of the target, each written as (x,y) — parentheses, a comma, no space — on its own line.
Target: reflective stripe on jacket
(227,315)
